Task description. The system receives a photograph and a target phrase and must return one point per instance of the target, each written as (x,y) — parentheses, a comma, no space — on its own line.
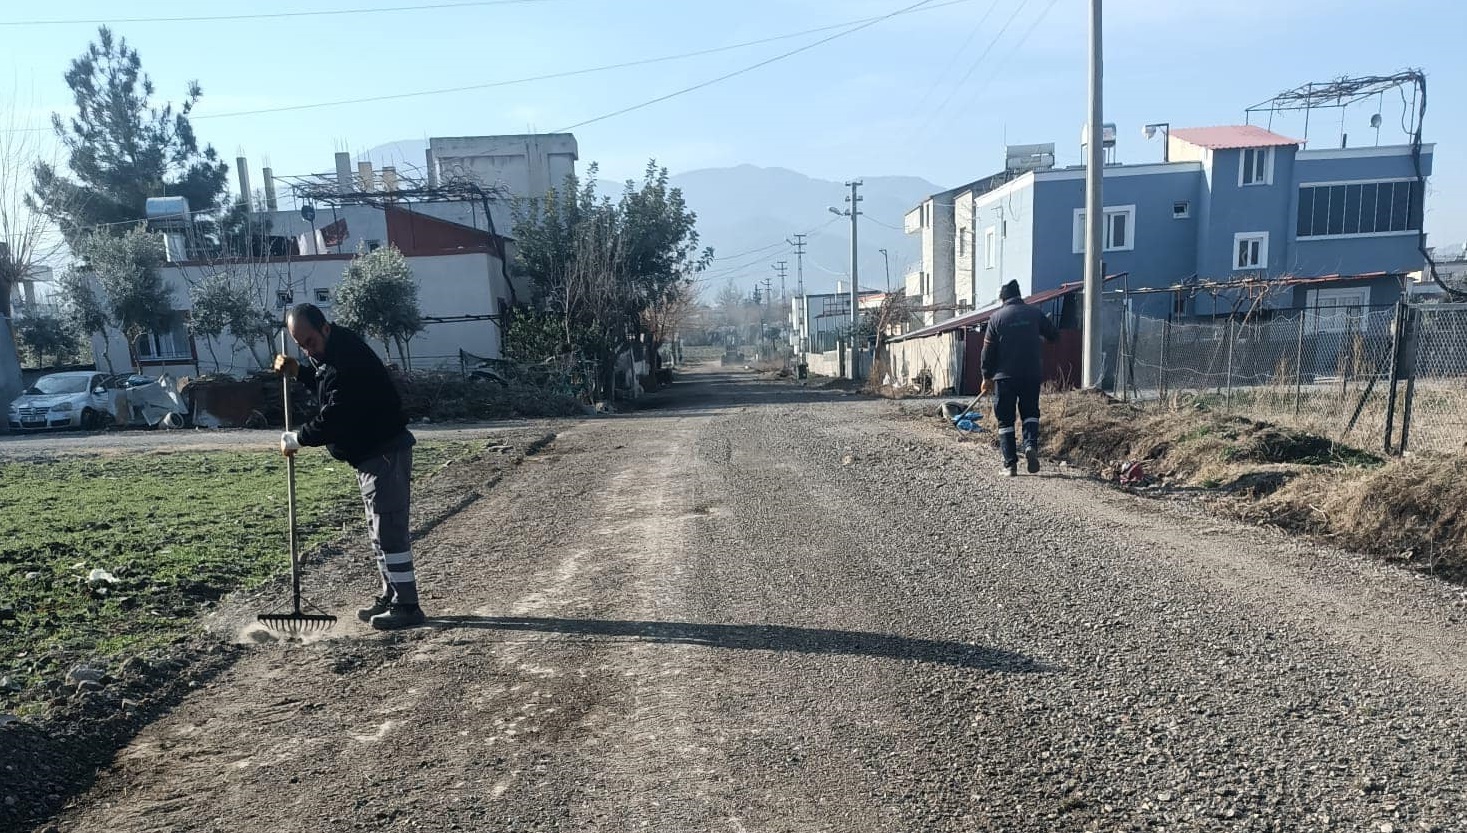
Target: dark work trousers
(386,483)
(1022,394)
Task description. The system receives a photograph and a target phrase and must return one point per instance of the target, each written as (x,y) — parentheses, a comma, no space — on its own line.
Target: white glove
(289,443)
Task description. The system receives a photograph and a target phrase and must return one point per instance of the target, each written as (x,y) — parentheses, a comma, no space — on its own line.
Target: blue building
(1229,204)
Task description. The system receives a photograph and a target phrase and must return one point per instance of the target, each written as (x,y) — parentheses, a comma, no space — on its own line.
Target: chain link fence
(1382,377)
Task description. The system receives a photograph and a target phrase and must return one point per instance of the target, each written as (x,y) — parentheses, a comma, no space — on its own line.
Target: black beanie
(1010,291)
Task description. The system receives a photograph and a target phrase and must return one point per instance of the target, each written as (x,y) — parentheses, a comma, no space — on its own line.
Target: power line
(952,61)
(489,85)
(464,4)
(729,268)
(937,113)
(884,225)
(1019,45)
(750,68)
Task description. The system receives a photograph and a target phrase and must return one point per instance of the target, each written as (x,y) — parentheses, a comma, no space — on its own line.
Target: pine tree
(123,148)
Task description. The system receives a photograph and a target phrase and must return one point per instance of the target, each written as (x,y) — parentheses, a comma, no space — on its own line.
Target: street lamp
(887,257)
(1150,131)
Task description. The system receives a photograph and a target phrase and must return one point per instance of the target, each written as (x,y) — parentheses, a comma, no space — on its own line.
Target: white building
(953,227)
(458,250)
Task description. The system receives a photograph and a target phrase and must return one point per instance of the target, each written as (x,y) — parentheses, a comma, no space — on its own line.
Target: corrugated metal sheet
(976,318)
(1232,136)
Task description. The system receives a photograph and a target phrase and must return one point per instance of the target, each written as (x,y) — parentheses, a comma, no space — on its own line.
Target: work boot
(1031,454)
(379,606)
(1011,469)
(399,616)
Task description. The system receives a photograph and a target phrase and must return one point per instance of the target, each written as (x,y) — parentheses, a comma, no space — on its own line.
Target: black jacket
(1012,347)
(361,412)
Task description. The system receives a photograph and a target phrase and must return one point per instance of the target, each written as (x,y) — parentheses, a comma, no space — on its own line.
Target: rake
(311,619)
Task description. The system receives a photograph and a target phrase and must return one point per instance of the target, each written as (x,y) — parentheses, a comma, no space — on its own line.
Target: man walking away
(362,423)
(1013,362)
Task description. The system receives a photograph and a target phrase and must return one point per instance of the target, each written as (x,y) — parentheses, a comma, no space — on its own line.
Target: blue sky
(881,101)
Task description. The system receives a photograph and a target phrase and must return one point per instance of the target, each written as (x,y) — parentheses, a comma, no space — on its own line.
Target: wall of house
(1010,212)
(967,236)
(1163,248)
(1237,209)
(940,241)
(1388,252)
(527,165)
(448,285)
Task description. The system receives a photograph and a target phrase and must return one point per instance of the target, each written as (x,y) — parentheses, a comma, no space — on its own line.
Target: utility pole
(782,268)
(799,244)
(887,257)
(854,212)
(800,305)
(1094,210)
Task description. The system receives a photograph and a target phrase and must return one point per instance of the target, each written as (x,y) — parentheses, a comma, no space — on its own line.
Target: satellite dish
(308,213)
(1375,120)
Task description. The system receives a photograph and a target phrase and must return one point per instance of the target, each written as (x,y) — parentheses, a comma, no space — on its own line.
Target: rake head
(295,624)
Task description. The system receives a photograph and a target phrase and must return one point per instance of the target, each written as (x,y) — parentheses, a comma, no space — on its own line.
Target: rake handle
(295,571)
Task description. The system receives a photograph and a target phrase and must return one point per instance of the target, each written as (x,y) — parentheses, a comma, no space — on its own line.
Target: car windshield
(52,385)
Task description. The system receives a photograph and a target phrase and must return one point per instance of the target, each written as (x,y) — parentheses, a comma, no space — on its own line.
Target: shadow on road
(765,638)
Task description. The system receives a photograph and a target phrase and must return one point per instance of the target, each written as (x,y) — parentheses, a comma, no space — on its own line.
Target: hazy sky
(908,95)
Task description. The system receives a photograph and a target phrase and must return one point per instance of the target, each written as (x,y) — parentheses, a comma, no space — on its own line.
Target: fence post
(1123,375)
(1410,346)
(1166,337)
(1299,365)
(1228,402)
(1398,329)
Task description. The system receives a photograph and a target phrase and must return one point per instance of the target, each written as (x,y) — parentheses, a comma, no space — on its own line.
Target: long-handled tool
(297,620)
(964,419)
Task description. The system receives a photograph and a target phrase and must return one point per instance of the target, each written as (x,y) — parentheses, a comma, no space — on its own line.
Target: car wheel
(88,420)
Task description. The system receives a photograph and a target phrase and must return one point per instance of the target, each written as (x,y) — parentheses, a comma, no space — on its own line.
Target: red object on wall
(417,234)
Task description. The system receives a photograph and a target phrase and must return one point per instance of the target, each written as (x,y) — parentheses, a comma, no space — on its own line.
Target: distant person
(361,422)
(1013,363)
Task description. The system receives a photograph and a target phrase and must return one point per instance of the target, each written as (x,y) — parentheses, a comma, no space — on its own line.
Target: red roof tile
(1232,136)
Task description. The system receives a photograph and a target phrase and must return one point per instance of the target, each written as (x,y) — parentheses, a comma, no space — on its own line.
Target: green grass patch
(176,530)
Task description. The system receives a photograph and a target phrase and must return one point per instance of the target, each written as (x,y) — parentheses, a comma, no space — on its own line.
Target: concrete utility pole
(782,268)
(1091,363)
(855,276)
(801,311)
(799,244)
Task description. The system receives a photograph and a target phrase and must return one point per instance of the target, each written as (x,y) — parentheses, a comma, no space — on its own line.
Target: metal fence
(1393,377)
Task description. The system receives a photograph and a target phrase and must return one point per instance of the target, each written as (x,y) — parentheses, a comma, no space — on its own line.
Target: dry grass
(1411,509)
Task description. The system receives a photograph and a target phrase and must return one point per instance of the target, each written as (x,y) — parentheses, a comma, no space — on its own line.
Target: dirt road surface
(765,608)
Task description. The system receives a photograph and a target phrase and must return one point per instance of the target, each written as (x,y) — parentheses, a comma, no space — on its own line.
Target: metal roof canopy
(1232,136)
(978,317)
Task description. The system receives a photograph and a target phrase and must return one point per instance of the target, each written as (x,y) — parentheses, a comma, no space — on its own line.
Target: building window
(284,298)
(990,248)
(1255,166)
(1118,229)
(323,296)
(374,245)
(1250,250)
(1337,310)
(172,343)
(962,242)
(1351,208)
(1181,210)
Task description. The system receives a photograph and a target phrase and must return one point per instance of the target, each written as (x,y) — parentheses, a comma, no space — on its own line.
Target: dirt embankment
(1411,509)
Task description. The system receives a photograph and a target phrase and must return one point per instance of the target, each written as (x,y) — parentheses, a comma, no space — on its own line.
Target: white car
(63,400)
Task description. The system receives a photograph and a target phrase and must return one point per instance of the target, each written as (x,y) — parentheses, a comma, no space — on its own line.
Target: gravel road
(766,608)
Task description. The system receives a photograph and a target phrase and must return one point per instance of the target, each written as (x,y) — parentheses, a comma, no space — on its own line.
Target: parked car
(63,400)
